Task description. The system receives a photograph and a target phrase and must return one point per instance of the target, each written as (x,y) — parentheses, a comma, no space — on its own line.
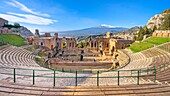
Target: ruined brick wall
(99,44)
(161,33)
(3,21)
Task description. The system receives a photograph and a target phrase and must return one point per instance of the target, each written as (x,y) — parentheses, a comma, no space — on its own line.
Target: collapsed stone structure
(107,45)
(52,42)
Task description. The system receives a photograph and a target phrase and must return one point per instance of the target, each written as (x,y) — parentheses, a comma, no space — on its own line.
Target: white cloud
(24,8)
(109,26)
(27,18)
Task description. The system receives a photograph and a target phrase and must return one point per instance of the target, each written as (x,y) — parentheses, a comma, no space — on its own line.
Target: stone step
(15,89)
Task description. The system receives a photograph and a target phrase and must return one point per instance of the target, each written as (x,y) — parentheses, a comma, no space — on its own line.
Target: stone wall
(99,44)
(161,33)
(107,45)
(3,22)
(52,41)
(5,31)
(70,43)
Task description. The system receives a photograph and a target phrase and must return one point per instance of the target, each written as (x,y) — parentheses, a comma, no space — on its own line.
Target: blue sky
(60,15)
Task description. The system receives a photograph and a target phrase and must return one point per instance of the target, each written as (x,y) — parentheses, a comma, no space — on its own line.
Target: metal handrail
(152,72)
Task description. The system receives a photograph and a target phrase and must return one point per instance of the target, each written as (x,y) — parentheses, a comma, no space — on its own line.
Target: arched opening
(117,64)
(100,45)
(95,45)
(112,50)
(52,47)
(64,44)
(92,44)
(69,44)
(41,43)
(73,45)
(107,45)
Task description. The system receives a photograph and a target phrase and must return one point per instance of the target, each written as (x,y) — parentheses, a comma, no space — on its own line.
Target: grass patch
(148,43)
(32,48)
(40,62)
(12,39)
(41,54)
(139,46)
(157,40)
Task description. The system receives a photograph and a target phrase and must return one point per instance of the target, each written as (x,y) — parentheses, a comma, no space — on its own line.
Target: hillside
(148,43)
(128,31)
(24,32)
(12,39)
(16,28)
(158,20)
(86,38)
(99,30)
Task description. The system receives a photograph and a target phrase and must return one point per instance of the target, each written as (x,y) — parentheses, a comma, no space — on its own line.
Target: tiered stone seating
(163,76)
(16,57)
(10,89)
(165,47)
(137,56)
(153,52)
(138,64)
(159,60)
(160,57)
(137,61)
(150,57)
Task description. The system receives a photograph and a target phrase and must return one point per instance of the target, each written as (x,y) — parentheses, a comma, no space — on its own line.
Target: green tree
(166,23)
(166,11)
(154,28)
(140,34)
(82,44)
(16,25)
(37,32)
(148,31)
(134,37)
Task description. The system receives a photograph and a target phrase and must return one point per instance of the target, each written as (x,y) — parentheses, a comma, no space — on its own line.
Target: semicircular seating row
(9,89)
(11,56)
(157,56)
(152,57)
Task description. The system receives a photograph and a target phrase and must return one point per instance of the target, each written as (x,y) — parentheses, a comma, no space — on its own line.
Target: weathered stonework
(107,45)
(161,33)
(53,41)
(3,22)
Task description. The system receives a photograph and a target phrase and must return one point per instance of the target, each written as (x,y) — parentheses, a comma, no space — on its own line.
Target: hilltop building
(3,22)
(2,29)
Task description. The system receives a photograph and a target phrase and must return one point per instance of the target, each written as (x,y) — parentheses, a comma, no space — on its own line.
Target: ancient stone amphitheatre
(135,63)
(135,78)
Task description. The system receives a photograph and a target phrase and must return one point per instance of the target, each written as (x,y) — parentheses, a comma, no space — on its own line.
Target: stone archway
(101,45)
(64,44)
(52,47)
(112,50)
(41,43)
